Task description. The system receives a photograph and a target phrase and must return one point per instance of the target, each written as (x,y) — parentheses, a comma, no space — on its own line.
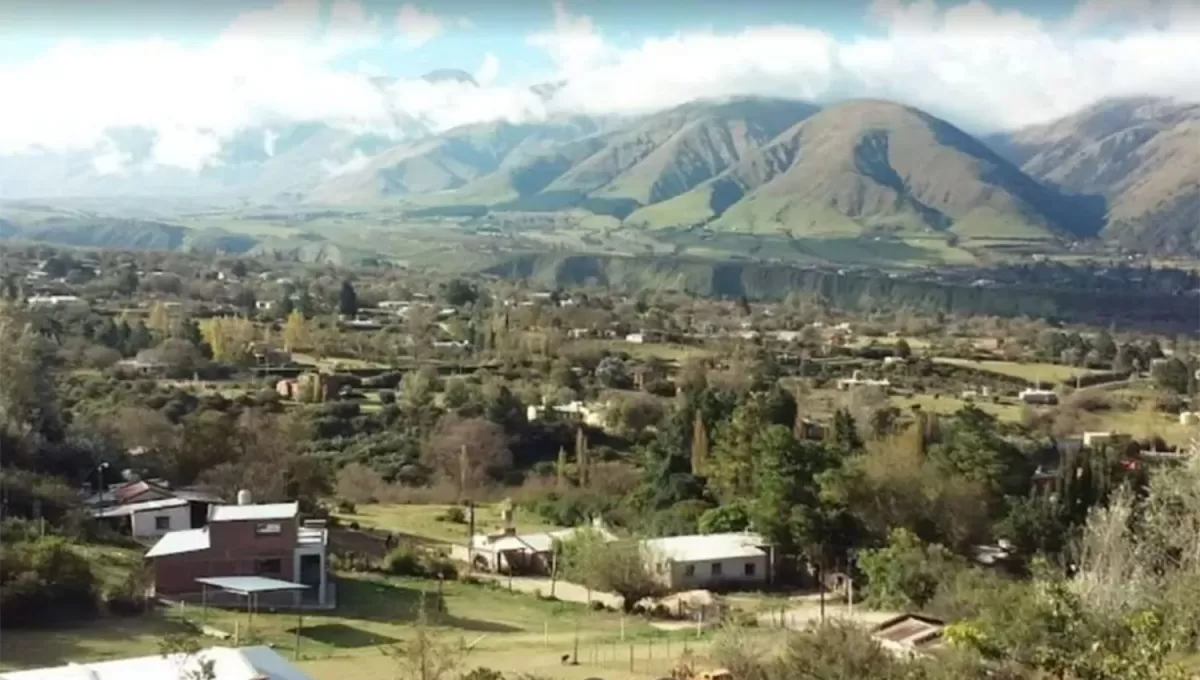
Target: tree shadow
(343,636)
(381,601)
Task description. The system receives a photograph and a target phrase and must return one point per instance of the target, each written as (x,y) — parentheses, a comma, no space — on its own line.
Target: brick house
(243,540)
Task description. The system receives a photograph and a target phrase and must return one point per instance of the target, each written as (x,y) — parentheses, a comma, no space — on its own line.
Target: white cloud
(488,70)
(418,27)
(971,63)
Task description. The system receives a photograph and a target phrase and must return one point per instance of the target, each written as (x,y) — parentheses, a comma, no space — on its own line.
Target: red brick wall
(234,550)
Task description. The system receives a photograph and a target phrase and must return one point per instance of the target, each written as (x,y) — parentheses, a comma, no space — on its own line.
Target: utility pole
(470,535)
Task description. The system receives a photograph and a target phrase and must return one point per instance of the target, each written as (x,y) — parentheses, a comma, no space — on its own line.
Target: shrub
(454,514)
(42,579)
(387,397)
(403,561)
(346,506)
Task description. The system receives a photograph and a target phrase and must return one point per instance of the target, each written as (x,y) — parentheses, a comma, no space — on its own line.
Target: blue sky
(198,71)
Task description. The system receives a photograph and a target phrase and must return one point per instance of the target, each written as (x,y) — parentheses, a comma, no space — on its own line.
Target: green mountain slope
(447,161)
(874,165)
(646,161)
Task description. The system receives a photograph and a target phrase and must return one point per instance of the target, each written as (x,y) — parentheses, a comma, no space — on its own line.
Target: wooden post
(470,536)
(546,633)
(631,658)
(299,625)
(575,652)
(622,626)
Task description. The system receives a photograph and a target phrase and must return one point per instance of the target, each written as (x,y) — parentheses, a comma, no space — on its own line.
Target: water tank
(243,497)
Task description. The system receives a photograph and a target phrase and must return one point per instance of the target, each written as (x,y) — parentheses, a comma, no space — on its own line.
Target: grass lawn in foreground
(425,521)
(1031,372)
(512,632)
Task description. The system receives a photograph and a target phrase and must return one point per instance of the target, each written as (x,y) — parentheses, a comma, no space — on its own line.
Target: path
(563,590)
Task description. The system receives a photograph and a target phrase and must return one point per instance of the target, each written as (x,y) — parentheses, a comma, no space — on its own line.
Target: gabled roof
(179,542)
(702,547)
(145,506)
(246,663)
(261,512)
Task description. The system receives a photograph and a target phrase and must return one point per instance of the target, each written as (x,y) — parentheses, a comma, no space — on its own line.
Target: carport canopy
(250,585)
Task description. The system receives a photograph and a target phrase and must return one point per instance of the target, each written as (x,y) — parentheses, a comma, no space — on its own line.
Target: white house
(856,381)
(529,553)
(151,519)
(593,415)
(54,300)
(709,560)
(228,663)
(1037,396)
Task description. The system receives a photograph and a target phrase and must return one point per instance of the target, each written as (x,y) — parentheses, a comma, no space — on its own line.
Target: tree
(905,573)
(29,405)
(184,652)
(611,373)
(1105,347)
(460,293)
(1173,374)
(296,332)
(348,300)
(699,444)
(229,337)
(160,321)
(581,457)
(468,452)
(620,567)
(424,656)
(902,349)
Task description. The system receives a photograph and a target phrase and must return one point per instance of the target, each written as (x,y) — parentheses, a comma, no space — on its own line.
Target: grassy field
(425,521)
(664,351)
(1045,373)
(947,405)
(497,629)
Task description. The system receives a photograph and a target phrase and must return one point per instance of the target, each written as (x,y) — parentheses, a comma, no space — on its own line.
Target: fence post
(631,657)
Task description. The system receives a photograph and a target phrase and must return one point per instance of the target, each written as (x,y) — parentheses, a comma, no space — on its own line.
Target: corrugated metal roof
(250,584)
(246,663)
(144,506)
(705,547)
(263,511)
(179,542)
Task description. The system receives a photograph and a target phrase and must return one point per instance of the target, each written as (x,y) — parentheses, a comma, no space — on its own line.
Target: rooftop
(701,547)
(245,663)
(144,506)
(265,511)
(178,542)
(244,585)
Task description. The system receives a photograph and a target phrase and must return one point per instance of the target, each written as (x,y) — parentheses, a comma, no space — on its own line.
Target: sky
(196,73)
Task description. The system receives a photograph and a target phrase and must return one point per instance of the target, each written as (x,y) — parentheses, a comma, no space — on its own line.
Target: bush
(387,397)
(403,561)
(44,579)
(454,514)
(441,567)
(346,507)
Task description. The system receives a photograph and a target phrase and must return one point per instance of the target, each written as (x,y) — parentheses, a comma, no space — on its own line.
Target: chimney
(243,497)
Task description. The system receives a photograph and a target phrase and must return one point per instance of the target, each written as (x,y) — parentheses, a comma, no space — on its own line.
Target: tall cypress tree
(699,445)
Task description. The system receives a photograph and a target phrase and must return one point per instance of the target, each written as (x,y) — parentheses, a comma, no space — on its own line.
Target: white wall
(733,573)
(143,522)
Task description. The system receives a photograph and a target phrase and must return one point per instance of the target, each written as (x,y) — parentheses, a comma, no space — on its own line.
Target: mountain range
(1125,171)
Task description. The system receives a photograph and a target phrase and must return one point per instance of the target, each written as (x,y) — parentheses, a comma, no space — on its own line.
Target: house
(139,505)
(55,301)
(909,634)
(245,663)
(524,553)
(1094,439)
(593,415)
(855,381)
(1038,396)
(709,560)
(151,519)
(244,540)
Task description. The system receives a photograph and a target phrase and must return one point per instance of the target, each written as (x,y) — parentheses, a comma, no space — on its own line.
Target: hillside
(644,162)
(1142,155)
(874,165)
(447,161)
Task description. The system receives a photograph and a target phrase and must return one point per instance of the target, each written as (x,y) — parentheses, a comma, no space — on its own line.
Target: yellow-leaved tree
(230,338)
(296,332)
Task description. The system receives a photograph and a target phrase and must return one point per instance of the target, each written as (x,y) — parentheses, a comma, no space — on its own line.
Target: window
(689,570)
(716,568)
(750,568)
(162,523)
(273,567)
(268,529)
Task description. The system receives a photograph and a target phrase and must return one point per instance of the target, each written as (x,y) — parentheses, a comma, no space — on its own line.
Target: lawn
(1031,372)
(947,405)
(511,632)
(664,351)
(425,521)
